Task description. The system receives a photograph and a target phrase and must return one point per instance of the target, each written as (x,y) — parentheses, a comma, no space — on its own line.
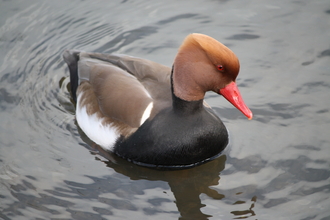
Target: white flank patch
(105,136)
(147,93)
(146,113)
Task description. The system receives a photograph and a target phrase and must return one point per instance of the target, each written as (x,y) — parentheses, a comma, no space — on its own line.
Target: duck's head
(204,64)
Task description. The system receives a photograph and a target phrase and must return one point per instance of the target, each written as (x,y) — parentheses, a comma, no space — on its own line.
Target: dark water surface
(276,166)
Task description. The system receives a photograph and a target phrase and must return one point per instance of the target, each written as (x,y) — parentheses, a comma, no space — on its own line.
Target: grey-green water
(276,166)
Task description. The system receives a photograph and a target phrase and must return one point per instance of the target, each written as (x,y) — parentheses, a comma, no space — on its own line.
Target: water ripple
(276,165)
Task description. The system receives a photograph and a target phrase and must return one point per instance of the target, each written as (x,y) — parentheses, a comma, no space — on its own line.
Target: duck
(154,115)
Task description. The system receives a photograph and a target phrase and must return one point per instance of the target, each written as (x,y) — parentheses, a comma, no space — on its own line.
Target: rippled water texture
(276,166)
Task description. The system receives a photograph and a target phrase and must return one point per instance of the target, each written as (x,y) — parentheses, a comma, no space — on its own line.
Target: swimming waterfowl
(151,114)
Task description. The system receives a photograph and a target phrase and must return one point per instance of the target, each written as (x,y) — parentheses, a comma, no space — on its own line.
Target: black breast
(185,135)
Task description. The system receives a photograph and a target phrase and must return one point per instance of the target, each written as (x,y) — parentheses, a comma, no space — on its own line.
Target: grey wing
(124,85)
(153,76)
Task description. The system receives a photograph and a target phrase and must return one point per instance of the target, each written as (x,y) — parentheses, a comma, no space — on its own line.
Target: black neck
(182,106)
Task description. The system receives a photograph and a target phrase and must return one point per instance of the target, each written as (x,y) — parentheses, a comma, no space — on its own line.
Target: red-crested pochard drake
(152,115)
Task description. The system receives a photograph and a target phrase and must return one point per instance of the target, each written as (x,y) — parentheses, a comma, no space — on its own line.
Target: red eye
(220,67)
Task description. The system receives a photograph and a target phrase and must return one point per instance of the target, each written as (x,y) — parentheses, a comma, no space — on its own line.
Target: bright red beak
(232,94)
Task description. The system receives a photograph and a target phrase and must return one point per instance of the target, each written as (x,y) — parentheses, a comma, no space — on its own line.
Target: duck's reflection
(187,185)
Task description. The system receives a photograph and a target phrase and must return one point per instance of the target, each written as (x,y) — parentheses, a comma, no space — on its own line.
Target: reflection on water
(110,193)
(186,185)
(276,166)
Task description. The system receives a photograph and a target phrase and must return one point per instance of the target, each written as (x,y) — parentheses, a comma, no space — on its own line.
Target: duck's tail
(71,57)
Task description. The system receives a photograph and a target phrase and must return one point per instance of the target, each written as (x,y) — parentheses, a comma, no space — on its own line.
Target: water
(276,166)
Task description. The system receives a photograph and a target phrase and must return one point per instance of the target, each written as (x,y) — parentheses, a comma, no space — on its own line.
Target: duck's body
(148,114)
